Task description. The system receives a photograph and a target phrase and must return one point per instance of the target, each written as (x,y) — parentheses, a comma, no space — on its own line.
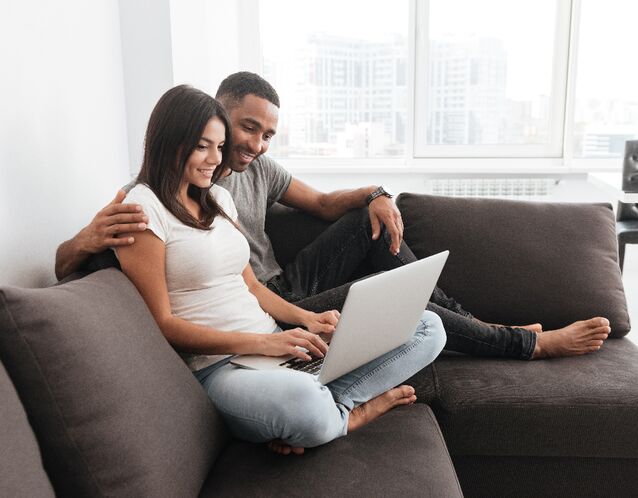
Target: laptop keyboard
(312,366)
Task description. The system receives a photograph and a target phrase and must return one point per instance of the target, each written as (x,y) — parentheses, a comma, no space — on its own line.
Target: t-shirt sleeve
(153,208)
(278,180)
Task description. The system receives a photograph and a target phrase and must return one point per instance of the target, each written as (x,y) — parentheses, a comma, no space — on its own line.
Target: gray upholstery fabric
(424,383)
(115,410)
(21,471)
(584,406)
(519,262)
(530,477)
(400,454)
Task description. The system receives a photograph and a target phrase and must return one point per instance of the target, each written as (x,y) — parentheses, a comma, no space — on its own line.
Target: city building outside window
(341,75)
(491,85)
(606,110)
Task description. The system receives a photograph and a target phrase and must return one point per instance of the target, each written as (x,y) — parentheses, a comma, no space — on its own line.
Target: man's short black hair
(235,87)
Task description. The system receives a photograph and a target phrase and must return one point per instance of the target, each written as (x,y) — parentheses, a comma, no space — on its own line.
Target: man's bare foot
(368,411)
(578,338)
(278,446)
(537,328)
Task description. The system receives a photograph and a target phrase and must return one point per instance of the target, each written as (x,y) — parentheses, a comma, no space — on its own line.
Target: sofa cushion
(115,410)
(517,262)
(583,406)
(535,477)
(21,471)
(400,454)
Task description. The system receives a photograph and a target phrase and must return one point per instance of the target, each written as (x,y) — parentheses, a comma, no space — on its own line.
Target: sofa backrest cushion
(115,410)
(518,262)
(21,471)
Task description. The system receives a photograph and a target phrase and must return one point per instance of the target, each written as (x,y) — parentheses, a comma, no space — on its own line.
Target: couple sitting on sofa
(172,212)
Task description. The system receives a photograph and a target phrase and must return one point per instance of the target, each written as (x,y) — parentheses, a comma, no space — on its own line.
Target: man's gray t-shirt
(254,191)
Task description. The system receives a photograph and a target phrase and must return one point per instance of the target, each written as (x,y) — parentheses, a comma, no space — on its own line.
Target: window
(412,82)
(606,110)
(490,85)
(340,69)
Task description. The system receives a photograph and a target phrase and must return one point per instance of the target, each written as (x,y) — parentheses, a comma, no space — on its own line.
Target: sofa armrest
(114,408)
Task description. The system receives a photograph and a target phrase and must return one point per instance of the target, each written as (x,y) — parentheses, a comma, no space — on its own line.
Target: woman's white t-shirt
(204,270)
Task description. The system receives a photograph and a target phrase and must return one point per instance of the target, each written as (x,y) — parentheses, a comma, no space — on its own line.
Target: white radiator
(509,188)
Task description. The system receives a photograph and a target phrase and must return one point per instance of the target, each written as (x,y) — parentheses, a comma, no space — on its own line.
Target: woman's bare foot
(537,328)
(367,412)
(359,416)
(278,446)
(578,338)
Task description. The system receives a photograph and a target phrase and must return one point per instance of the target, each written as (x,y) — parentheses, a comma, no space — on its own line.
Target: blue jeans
(319,277)
(262,405)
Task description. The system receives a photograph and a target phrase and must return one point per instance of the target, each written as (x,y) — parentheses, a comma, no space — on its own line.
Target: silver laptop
(380,313)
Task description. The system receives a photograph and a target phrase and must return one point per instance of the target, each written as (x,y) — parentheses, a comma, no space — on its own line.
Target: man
(318,277)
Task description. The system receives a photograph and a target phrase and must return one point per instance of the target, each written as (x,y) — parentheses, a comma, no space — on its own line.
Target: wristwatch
(380,191)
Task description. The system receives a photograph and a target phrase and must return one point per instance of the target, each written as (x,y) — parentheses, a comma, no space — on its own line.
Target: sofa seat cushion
(518,262)
(21,470)
(115,410)
(583,406)
(400,454)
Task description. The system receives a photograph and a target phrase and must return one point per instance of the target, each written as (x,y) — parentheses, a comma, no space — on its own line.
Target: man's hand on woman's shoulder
(115,218)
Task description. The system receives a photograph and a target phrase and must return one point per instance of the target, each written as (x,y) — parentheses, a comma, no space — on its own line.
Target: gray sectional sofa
(95,402)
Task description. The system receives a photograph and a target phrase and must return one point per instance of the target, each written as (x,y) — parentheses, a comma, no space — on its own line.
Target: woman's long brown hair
(174,130)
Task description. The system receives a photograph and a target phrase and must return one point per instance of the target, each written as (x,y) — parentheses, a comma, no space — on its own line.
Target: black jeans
(321,274)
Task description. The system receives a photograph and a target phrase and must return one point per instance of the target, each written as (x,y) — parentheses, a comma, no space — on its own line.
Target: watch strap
(378,192)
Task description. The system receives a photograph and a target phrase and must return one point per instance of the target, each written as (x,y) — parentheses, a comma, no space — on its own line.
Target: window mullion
(570,98)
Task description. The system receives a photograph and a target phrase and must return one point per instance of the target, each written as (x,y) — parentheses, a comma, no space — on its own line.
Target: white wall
(63,144)
(212,39)
(147,65)
(170,42)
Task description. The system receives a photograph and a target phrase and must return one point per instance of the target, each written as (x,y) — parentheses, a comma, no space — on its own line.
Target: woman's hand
(321,323)
(289,341)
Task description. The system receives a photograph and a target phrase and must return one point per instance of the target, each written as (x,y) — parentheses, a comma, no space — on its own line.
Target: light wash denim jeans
(262,405)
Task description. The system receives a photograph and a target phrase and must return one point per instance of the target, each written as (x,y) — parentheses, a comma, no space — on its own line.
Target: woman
(191,267)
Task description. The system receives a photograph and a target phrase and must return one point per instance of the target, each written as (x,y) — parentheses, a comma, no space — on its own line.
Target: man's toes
(600,332)
(599,322)
(601,335)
